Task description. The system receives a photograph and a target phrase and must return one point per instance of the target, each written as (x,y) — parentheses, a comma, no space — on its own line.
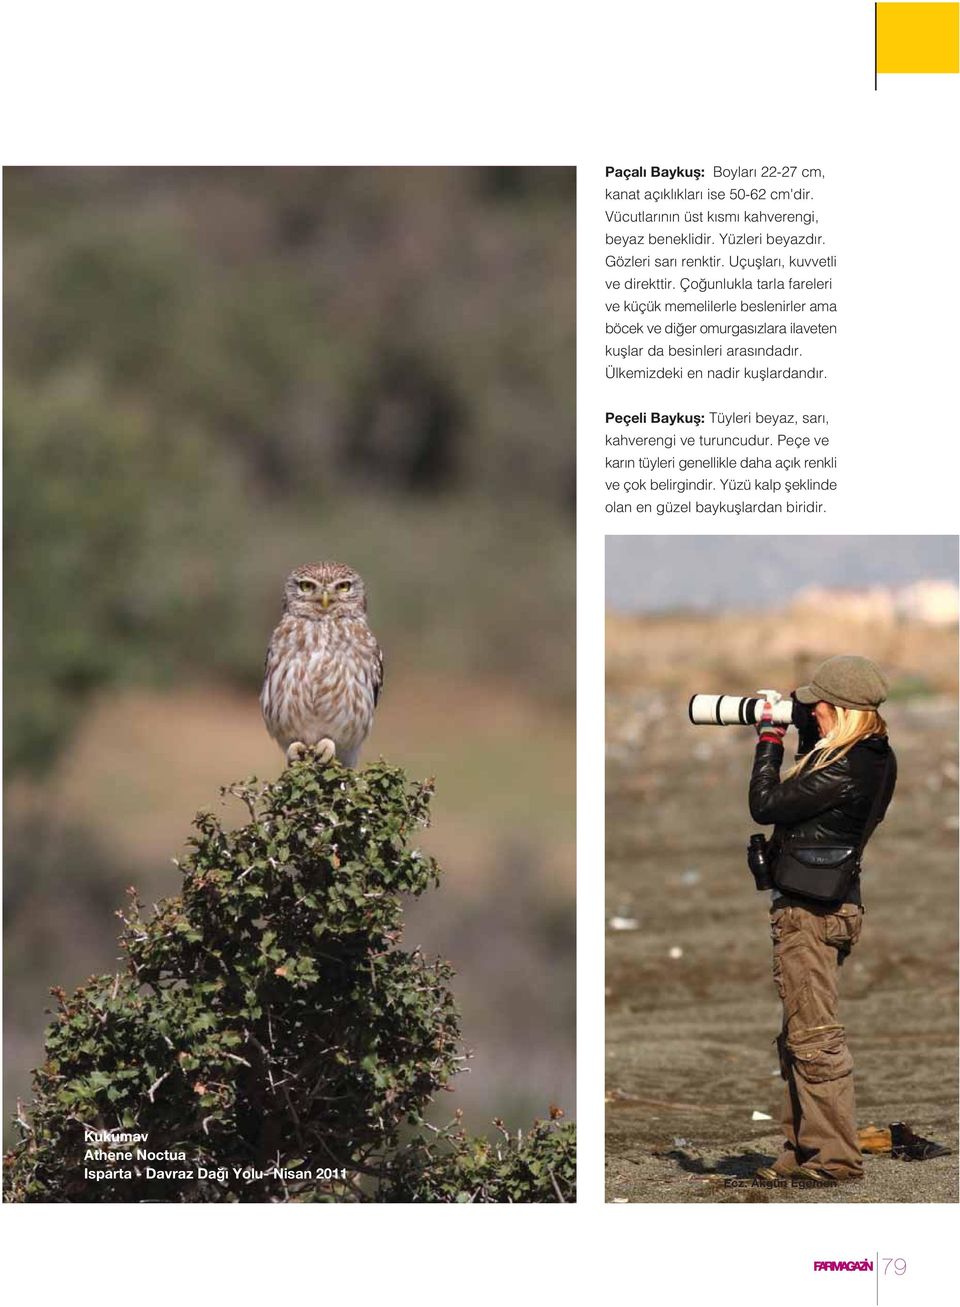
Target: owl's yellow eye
(343,586)
(305,587)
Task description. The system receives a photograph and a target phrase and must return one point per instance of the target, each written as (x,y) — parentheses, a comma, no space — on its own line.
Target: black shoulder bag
(825,872)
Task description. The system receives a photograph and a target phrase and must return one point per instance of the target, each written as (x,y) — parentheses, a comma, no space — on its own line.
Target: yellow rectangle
(918,38)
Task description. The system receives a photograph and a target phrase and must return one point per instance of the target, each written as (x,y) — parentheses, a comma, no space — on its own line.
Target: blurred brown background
(213,375)
(691,1005)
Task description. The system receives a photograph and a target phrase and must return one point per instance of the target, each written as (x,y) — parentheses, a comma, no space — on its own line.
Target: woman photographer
(824,810)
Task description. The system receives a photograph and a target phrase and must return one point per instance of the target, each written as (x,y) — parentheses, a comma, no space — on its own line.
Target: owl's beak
(325,599)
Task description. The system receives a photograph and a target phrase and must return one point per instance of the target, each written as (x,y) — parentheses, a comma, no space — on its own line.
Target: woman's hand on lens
(767,729)
(770,732)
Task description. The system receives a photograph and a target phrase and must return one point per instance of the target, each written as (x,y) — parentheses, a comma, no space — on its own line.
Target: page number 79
(899,1265)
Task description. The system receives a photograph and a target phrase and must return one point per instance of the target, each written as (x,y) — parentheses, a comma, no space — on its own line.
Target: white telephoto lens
(736,710)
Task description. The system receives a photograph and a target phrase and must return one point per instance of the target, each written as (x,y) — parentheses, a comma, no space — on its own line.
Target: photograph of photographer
(704,1103)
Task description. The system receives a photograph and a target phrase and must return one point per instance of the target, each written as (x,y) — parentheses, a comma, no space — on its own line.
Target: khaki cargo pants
(819,1114)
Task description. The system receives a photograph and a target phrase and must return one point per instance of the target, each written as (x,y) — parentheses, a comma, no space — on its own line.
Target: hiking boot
(780,1170)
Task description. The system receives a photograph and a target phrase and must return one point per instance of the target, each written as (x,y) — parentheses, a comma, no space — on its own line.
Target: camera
(751,710)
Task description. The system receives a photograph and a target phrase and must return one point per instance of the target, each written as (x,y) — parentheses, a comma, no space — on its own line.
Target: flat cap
(847,680)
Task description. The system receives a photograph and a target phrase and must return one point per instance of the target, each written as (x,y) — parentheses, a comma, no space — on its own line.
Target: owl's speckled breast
(321,681)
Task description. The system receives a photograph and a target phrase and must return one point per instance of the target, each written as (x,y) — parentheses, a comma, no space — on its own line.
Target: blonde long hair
(851,726)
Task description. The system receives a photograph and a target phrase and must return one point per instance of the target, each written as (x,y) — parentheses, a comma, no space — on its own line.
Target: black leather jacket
(830,806)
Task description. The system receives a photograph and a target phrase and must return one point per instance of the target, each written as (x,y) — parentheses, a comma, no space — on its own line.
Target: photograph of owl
(324,668)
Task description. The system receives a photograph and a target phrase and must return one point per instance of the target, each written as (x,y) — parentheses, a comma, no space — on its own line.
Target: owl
(324,668)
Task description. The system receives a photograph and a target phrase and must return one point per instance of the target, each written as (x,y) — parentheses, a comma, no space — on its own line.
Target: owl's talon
(324,751)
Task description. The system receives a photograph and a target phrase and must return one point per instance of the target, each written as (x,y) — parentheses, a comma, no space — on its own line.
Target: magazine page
(481,610)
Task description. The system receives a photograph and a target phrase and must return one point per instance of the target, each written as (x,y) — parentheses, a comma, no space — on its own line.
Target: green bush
(269,1039)
(453,1168)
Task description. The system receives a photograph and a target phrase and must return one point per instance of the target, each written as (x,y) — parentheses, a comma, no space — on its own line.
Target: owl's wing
(270,660)
(377,676)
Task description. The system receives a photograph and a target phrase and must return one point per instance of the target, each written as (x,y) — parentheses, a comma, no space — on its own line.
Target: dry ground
(690,1052)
